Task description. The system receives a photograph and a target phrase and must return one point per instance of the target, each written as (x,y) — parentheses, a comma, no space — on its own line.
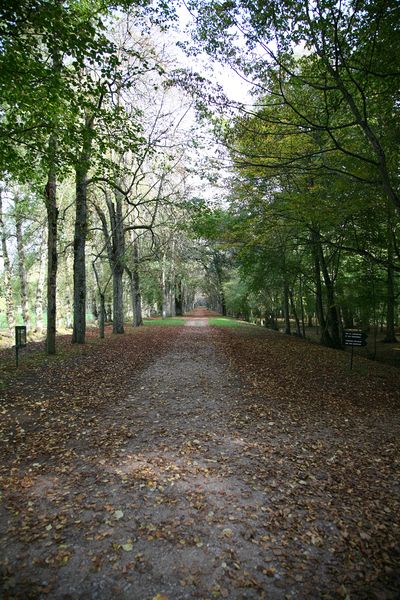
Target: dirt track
(181,462)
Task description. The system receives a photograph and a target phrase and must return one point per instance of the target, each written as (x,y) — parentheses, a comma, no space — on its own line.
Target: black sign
(355,338)
(20,336)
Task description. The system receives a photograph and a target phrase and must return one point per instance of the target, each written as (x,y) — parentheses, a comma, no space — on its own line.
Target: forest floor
(200,462)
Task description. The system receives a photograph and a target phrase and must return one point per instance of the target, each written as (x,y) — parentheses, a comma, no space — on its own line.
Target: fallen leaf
(127,547)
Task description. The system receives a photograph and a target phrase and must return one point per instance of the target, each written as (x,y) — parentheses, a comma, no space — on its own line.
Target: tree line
(313,223)
(95,153)
(94,131)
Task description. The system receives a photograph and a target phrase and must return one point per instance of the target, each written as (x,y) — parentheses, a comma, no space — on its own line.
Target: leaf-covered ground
(200,462)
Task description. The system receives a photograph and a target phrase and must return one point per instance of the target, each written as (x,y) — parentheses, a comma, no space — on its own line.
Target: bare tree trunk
(81,174)
(23,282)
(79,326)
(68,293)
(68,310)
(333,313)
(294,311)
(390,336)
(137,315)
(10,309)
(50,197)
(40,287)
(219,273)
(137,319)
(325,338)
(118,304)
(115,244)
(164,284)
(95,311)
(178,298)
(172,281)
(102,314)
(286,311)
(118,258)
(348,318)
(52,258)
(303,326)
(109,314)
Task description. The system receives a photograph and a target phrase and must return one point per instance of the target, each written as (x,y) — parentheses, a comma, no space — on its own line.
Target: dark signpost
(20,340)
(353,338)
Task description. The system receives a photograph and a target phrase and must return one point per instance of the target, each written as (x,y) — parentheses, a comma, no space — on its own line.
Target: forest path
(196,462)
(196,322)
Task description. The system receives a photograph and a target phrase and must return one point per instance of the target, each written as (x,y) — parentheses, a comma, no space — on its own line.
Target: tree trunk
(178,298)
(102,312)
(136,298)
(68,309)
(95,311)
(303,325)
(115,245)
(165,291)
(333,314)
(102,315)
(81,175)
(294,311)
(21,266)
(109,314)
(390,336)
(348,318)
(10,309)
(39,326)
(52,258)
(79,325)
(118,301)
(286,311)
(172,282)
(137,319)
(81,180)
(325,338)
(118,258)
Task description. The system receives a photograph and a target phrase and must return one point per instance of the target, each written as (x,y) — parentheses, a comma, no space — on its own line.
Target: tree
(348,67)
(10,309)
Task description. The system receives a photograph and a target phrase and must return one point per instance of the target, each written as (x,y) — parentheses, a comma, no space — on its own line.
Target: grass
(164,322)
(227,322)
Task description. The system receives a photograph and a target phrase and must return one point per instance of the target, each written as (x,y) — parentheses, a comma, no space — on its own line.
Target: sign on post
(353,338)
(20,340)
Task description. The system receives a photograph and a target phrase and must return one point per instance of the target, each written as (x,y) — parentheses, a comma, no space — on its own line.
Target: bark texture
(10,308)
(390,335)
(134,278)
(52,258)
(81,175)
(39,325)
(23,281)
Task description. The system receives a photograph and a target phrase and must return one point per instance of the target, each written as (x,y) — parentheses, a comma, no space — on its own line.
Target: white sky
(233,85)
